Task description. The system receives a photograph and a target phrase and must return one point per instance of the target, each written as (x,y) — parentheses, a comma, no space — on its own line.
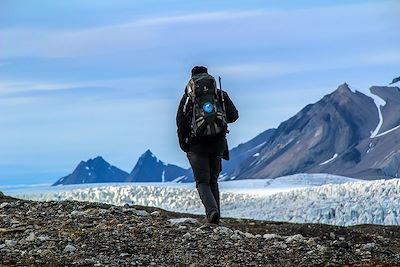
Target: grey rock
(179,221)
(187,235)
(31,237)
(77,213)
(4,205)
(271,236)
(10,243)
(43,238)
(223,230)
(236,237)
(294,238)
(69,248)
(199,230)
(140,212)
(311,242)
(249,235)
(155,213)
(369,246)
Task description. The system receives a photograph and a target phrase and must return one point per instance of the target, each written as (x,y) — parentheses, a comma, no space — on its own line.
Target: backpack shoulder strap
(186,103)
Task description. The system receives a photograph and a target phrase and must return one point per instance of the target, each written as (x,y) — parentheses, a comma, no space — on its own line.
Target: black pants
(206,169)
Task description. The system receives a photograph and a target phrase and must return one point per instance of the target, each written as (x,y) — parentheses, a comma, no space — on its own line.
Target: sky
(80,79)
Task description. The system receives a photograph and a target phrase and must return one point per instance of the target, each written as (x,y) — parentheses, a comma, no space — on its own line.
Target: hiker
(202,117)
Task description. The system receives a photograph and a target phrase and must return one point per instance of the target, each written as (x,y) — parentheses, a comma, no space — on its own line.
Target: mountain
(147,169)
(95,170)
(246,150)
(333,135)
(150,169)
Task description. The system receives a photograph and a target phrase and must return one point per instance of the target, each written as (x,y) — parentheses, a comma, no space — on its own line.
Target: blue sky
(85,78)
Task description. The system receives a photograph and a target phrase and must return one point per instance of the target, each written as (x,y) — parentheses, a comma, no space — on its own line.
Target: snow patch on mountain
(329,160)
(388,131)
(378,102)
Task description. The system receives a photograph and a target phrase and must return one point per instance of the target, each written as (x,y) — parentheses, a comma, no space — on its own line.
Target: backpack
(208,116)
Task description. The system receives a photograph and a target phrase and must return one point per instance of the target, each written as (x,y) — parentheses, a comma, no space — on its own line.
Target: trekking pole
(222,95)
(223,100)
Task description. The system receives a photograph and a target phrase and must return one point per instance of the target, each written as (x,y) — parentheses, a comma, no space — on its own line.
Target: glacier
(303,198)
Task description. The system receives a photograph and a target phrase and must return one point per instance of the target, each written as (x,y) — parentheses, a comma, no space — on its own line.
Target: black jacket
(216,144)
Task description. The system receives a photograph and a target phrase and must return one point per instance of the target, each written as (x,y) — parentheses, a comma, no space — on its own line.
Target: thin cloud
(63,92)
(274,26)
(274,69)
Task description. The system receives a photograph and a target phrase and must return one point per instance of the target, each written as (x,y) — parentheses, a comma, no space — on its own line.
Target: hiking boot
(214,217)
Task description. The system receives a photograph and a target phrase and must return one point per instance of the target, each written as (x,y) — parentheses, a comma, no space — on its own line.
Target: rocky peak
(343,89)
(97,161)
(148,154)
(148,159)
(150,169)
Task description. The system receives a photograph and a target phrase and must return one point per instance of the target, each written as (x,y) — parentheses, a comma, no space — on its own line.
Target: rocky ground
(71,233)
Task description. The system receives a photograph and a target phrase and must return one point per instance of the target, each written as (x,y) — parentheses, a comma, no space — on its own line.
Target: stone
(271,236)
(187,235)
(249,235)
(4,205)
(369,246)
(155,213)
(311,242)
(199,230)
(236,237)
(43,238)
(10,243)
(1,195)
(69,248)
(179,221)
(223,230)
(15,223)
(31,237)
(140,212)
(292,238)
(77,213)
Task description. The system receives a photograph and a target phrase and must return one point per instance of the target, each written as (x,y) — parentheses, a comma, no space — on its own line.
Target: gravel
(72,233)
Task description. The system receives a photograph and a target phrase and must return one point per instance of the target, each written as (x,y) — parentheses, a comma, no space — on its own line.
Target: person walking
(202,118)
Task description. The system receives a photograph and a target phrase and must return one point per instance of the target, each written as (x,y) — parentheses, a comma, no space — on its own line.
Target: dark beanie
(198,70)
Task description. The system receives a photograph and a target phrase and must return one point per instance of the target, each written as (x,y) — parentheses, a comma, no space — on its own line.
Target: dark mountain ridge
(147,169)
(95,170)
(331,136)
(150,169)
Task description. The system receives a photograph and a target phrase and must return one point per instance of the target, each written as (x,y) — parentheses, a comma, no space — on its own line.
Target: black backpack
(208,116)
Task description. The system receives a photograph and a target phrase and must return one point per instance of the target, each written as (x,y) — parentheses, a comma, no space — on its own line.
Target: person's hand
(184,144)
